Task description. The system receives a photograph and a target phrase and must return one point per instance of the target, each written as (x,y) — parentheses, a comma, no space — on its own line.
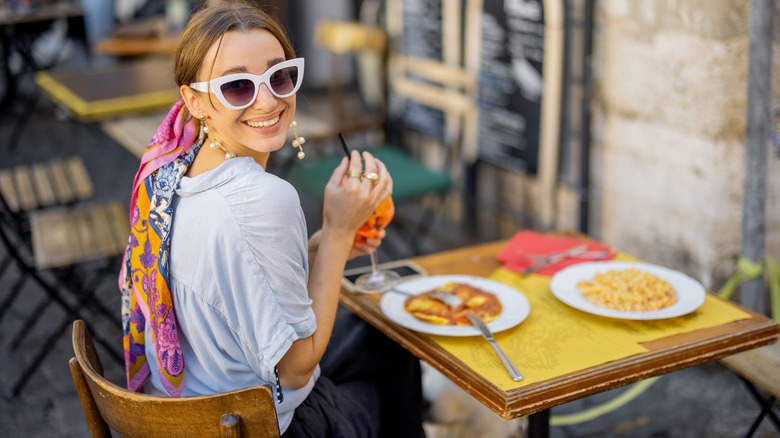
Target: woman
(220,288)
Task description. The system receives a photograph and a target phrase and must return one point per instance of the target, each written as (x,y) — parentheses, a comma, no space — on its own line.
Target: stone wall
(668,133)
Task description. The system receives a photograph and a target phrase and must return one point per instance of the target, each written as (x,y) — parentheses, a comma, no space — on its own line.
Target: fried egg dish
(477,301)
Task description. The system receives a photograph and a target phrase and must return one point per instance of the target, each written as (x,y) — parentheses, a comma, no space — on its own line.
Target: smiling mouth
(263,124)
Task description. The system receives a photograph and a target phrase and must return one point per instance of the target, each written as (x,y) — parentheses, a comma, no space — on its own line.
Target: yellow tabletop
(557,339)
(121,89)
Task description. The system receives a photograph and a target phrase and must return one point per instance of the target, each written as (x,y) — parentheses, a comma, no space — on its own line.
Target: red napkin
(515,254)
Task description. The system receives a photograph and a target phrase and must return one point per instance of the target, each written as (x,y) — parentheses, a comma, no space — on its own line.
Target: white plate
(515,305)
(690,293)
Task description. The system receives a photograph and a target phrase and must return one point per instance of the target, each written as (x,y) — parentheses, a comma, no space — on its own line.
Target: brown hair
(209,24)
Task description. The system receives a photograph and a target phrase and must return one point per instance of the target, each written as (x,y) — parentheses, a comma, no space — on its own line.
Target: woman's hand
(350,199)
(369,246)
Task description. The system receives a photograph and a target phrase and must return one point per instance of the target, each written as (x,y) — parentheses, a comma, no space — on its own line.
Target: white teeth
(265,124)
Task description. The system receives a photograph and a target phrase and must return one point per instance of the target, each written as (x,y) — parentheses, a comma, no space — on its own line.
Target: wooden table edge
(531,399)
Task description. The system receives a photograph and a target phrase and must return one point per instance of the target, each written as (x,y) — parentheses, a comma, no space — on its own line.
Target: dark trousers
(369,387)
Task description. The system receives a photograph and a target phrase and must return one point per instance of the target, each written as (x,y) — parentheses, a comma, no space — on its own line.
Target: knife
(477,322)
(577,250)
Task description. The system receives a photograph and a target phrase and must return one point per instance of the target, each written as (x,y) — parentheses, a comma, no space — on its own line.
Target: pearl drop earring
(214,145)
(297,141)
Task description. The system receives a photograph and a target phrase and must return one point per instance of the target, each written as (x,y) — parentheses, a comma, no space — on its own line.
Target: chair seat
(46,184)
(62,237)
(411,180)
(760,366)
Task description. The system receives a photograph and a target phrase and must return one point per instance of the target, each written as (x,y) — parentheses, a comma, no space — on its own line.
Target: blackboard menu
(510,83)
(422,33)
(422,38)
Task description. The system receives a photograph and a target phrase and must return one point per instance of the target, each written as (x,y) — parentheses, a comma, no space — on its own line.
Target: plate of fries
(628,290)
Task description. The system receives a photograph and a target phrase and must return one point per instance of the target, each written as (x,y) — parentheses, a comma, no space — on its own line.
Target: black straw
(344,145)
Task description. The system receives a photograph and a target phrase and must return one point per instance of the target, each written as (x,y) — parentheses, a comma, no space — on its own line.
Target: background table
(114,90)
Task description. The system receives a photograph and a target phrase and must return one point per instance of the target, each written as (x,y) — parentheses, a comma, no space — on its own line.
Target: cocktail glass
(376,281)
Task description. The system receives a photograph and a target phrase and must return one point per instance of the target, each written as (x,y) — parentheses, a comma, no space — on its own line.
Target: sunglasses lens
(283,81)
(239,92)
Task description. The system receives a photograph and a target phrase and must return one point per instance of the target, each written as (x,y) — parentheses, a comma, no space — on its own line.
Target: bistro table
(112,90)
(644,348)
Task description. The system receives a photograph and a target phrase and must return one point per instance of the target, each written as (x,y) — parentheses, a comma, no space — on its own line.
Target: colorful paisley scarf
(143,279)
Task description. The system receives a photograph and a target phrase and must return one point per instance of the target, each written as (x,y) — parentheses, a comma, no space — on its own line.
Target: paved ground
(704,401)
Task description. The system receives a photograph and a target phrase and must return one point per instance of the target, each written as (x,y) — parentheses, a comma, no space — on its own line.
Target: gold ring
(373,177)
(353,173)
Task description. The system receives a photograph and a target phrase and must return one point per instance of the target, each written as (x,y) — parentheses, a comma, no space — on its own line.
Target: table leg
(9,84)
(539,424)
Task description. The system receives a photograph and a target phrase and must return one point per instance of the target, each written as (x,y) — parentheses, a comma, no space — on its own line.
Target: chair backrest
(448,88)
(446,82)
(248,412)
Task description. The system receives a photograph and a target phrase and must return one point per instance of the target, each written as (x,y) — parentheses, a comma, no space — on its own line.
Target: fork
(539,259)
(576,251)
(455,302)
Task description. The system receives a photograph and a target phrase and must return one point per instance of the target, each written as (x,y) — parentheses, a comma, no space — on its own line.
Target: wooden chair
(760,370)
(244,413)
(65,246)
(26,188)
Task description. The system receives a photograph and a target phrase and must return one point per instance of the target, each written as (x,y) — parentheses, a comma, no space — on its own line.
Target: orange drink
(376,281)
(376,222)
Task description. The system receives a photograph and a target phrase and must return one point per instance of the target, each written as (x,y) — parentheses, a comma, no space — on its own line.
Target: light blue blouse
(239,275)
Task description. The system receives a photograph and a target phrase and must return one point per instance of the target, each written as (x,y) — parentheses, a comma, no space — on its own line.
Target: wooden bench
(760,368)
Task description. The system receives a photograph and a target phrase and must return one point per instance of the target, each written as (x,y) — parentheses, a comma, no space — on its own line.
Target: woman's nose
(265,99)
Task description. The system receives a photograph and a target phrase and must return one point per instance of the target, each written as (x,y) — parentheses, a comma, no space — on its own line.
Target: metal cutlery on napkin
(555,258)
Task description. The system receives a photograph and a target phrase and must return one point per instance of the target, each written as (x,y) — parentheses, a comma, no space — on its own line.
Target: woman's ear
(191,100)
